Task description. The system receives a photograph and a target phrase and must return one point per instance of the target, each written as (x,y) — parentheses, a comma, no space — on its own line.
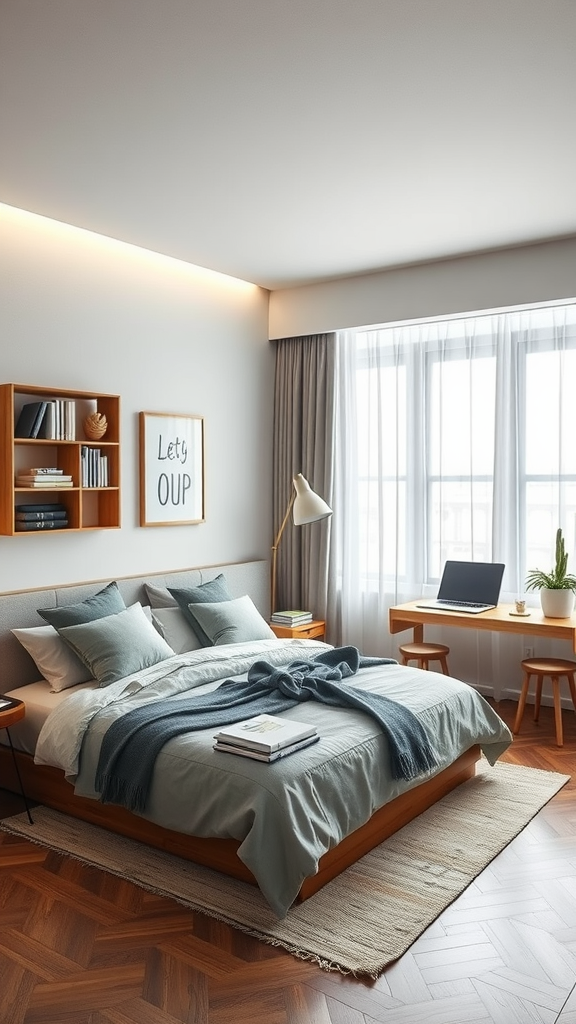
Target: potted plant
(557,587)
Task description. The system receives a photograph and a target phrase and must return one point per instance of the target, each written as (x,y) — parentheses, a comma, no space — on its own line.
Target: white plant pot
(557,604)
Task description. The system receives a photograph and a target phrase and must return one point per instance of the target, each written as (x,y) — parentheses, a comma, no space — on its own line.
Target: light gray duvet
(286,814)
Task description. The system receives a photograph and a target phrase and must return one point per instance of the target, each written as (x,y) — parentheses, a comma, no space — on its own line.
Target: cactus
(558,578)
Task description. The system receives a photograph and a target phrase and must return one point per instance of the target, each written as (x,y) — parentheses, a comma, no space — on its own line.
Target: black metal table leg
(19,779)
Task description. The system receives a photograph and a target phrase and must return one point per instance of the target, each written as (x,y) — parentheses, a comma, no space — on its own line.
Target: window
(550,450)
(461,393)
(457,439)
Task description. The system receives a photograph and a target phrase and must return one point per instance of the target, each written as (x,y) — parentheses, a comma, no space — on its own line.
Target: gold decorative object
(95,426)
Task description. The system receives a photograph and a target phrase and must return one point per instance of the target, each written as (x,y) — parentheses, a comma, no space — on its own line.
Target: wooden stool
(542,667)
(424,654)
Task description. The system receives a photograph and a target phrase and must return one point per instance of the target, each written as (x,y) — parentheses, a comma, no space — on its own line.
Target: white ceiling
(287,141)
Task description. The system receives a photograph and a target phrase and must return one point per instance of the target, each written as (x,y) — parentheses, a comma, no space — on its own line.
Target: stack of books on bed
(291,618)
(265,737)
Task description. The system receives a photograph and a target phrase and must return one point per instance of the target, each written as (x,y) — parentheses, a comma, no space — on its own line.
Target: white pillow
(54,659)
(177,633)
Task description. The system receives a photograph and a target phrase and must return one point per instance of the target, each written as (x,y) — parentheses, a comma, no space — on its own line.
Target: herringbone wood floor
(80,946)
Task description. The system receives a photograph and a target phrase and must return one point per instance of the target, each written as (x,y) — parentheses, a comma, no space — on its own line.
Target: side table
(12,711)
(309,631)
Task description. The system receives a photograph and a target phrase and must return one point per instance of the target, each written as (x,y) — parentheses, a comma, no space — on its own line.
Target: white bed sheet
(40,701)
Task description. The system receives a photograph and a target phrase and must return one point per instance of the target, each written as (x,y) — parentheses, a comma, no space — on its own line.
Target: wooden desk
(497,620)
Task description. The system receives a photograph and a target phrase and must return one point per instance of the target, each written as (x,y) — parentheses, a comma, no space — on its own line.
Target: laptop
(469,587)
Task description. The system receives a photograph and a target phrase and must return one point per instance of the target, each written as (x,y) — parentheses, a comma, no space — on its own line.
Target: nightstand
(309,631)
(12,711)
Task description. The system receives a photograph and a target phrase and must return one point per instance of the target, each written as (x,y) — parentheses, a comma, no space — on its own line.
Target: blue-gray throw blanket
(132,743)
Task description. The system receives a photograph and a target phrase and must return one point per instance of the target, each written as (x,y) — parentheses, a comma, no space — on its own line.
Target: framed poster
(171,469)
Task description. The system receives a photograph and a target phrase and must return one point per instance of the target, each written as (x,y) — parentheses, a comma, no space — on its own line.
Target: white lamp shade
(308,506)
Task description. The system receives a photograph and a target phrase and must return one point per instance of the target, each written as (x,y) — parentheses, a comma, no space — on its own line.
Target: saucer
(520,615)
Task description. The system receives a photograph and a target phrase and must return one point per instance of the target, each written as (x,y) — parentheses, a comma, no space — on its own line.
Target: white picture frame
(171,469)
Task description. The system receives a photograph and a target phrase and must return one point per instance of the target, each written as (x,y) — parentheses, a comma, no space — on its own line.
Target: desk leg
(419,633)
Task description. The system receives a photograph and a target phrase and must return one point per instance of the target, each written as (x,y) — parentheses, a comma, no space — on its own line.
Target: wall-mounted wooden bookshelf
(87,507)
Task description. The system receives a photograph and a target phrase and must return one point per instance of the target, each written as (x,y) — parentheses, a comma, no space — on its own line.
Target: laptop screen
(471,581)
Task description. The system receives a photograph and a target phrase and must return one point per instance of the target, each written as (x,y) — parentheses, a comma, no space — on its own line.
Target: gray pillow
(207,593)
(175,629)
(232,622)
(117,645)
(105,602)
(159,597)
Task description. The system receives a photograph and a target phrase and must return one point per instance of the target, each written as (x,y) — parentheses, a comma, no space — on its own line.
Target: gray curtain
(303,442)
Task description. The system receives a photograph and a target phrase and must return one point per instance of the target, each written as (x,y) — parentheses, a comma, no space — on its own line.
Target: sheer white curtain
(454,439)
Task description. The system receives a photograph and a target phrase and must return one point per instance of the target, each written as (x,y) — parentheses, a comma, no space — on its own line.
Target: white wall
(84,312)
(510,277)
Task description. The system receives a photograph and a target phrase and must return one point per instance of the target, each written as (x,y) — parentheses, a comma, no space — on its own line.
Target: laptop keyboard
(461,604)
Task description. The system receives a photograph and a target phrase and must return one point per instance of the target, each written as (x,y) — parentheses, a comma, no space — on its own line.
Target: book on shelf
(39,420)
(40,524)
(49,506)
(94,467)
(58,421)
(48,427)
(33,476)
(32,517)
(258,755)
(30,419)
(41,470)
(291,618)
(47,485)
(265,733)
(70,420)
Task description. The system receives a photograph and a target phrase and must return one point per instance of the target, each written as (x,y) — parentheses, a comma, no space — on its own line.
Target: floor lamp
(306,507)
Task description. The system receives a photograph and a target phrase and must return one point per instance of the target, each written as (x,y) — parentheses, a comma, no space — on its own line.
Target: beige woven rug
(375,910)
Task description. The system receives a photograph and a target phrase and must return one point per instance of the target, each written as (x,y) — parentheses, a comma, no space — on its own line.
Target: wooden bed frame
(48,785)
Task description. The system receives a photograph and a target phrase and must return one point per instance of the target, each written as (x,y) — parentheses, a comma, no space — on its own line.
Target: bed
(290,827)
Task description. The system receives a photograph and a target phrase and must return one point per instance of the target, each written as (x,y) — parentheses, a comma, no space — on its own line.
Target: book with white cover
(47,485)
(258,755)
(265,733)
(45,477)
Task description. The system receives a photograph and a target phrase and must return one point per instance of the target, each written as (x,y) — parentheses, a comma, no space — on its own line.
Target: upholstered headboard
(19,609)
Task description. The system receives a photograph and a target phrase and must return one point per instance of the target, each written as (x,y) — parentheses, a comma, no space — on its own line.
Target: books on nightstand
(291,618)
(266,737)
